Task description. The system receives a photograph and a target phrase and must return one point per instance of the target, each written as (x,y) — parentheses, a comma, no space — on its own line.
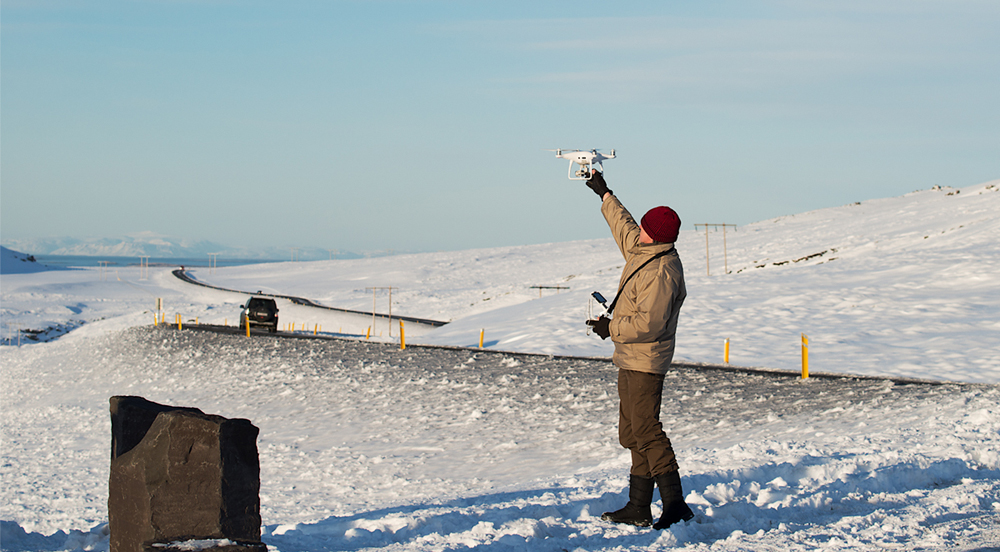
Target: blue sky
(410,125)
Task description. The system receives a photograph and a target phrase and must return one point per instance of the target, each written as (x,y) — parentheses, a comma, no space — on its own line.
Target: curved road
(183,275)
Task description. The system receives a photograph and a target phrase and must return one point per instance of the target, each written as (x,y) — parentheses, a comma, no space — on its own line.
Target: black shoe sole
(635,522)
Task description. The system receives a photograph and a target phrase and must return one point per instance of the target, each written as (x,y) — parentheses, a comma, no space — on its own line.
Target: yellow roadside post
(726,356)
(402,336)
(805,356)
(369,334)
(179,318)
(248,324)
(482,333)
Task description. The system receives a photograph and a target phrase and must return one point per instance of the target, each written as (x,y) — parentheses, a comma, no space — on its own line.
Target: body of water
(89,260)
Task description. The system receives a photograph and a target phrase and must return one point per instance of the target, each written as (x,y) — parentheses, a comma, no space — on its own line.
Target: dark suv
(260,311)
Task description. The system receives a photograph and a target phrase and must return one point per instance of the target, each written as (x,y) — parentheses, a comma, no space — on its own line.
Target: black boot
(636,512)
(674,507)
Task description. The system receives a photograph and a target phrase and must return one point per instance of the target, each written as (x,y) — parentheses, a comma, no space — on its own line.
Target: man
(649,300)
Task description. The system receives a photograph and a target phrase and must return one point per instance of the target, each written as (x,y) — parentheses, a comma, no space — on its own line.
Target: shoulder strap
(634,272)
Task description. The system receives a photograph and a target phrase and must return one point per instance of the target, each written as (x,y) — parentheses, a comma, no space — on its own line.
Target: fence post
(805,356)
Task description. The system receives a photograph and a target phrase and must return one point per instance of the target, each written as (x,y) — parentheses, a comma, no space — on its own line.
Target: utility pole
(213,262)
(333,252)
(143,267)
(725,252)
(295,251)
(374,290)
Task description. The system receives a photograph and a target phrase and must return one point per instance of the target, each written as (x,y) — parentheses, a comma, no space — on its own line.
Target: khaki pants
(639,427)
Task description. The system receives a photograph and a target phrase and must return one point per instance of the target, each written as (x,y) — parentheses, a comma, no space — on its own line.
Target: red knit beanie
(661,224)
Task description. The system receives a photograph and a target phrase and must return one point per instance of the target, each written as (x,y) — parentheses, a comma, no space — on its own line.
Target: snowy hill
(158,245)
(939,221)
(14,262)
(899,286)
(142,243)
(364,446)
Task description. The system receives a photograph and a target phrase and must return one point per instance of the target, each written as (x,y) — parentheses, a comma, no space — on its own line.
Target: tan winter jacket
(645,317)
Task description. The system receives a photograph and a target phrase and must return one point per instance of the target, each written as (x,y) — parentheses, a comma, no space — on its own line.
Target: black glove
(601,327)
(598,184)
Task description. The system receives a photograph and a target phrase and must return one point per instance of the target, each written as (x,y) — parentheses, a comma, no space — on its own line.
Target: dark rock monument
(178,474)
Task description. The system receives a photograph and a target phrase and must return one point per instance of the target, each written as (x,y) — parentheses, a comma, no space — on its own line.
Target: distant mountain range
(157,245)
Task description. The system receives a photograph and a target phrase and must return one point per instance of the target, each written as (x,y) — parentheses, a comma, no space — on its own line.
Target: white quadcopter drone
(585,159)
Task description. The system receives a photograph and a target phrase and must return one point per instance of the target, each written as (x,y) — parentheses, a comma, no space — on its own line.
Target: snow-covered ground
(364,446)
